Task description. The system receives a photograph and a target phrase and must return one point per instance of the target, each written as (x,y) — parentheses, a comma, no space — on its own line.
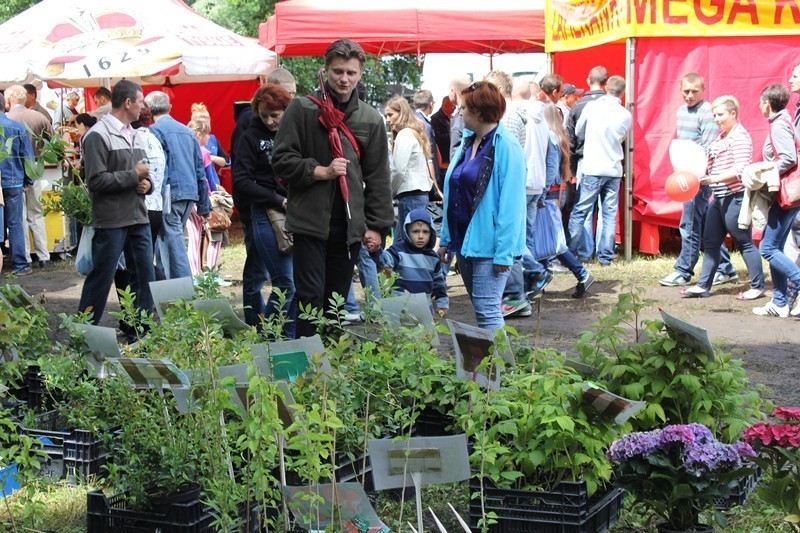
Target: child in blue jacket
(418,267)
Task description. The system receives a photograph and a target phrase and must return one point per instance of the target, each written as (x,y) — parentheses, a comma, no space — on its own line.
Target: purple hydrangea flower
(681,434)
(635,444)
(744,450)
(710,457)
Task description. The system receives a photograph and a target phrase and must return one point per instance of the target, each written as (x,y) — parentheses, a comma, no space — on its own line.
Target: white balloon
(688,156)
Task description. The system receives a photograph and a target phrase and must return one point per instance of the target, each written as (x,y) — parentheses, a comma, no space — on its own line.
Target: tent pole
(630,56)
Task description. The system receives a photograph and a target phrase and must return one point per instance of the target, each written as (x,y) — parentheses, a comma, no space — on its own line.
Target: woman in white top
(411,156)
(158,163)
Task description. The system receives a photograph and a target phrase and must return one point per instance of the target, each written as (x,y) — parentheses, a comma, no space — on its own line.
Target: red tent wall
(574,66)
(730,65)
(741,66)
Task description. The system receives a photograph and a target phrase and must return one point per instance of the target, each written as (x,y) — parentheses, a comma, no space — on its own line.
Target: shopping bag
(548,233)
(83,259)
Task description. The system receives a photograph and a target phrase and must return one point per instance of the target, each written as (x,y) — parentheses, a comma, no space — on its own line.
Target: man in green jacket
(328,232)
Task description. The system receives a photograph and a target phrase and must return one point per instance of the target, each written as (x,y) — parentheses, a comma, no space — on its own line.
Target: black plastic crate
(72,453)
(110,514)
(356,470)
(432,423)
(566,509)
(739,495)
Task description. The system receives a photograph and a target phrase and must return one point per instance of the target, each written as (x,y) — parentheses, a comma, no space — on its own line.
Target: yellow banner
(575,24)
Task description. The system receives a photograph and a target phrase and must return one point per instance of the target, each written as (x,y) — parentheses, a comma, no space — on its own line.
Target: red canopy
(307,27)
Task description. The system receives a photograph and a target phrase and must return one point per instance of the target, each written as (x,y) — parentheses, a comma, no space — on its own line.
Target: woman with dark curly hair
(254,179)
(484,203)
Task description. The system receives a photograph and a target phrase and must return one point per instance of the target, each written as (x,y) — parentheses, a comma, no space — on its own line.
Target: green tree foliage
(384,77)
(240,16)
(12,8)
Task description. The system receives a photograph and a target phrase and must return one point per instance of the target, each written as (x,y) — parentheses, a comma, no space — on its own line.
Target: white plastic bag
(83,259)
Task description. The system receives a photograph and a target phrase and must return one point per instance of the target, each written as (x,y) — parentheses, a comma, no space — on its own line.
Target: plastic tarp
(307,27)
(85,43)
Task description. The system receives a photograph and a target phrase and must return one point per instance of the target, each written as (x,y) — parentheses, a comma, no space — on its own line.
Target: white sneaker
(796,308)
(772,310)
(676,279)
(353,318)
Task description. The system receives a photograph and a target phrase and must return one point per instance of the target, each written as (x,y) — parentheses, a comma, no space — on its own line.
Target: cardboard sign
(16,296)
(410,311)
(103,346)
(472,345)
(610,405)
(690,335)
(169,290)
(435,459)
(152,373)
(290,359)
(344,507)
(220,309)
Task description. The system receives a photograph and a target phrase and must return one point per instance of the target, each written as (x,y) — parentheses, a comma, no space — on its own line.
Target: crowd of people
(506,178)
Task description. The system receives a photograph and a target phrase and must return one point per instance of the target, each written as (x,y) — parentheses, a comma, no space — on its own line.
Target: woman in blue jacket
(484,203)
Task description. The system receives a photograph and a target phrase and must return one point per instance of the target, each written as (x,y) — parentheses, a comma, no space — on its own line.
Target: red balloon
(682,186)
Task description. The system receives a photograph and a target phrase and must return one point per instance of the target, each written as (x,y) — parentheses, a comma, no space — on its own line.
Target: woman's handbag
(284,238)
(218,220)
(548,233)
(789,190)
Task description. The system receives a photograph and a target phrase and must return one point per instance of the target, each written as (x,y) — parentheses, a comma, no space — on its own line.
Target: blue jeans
(723,219)
(528,262)
(173,257)
(571,262)
(12,213)
(779,224)
(368,274)
(279,266)
(485,288)
(107,245)
(405,205)
(592,187)
(691,228)
(254,276)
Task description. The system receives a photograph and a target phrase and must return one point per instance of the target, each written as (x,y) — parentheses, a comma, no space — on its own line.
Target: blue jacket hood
(419,215)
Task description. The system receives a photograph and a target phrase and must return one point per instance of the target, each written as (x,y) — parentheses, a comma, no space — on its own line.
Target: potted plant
(777,445)
(678,471)
(538,456)
(642,361)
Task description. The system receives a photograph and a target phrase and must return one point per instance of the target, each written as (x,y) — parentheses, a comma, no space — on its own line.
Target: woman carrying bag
(558,172)
(780,147)
(255,179)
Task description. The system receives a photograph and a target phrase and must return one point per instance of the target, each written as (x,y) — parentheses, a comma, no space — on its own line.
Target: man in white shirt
(603,124)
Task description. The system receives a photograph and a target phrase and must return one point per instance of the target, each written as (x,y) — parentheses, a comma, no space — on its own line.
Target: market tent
(738,48)
(161,44)
(307,27)
(86,43)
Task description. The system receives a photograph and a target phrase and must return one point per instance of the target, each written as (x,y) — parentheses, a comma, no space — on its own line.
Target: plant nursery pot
(161,502)
(699,528)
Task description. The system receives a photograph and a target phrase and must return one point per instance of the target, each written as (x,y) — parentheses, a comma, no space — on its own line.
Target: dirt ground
(769,346)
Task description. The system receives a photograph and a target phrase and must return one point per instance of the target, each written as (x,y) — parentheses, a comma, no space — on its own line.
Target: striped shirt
(729,153)
(697,124)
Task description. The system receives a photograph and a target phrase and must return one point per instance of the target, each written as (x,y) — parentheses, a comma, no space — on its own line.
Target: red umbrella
(333,120)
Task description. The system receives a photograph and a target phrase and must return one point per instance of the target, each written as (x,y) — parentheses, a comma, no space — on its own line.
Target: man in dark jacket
(328,232)
(118,179)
